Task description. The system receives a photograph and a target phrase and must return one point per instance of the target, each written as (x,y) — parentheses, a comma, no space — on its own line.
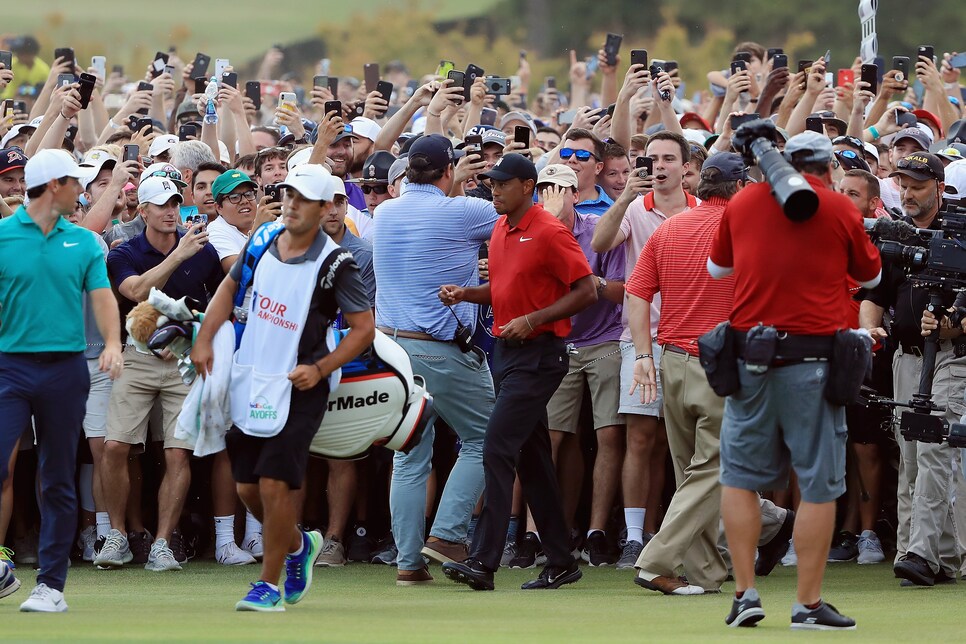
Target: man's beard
(918,210)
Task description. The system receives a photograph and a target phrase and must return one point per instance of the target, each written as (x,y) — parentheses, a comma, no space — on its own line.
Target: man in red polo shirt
(779,416)
(539,278)
(673,263)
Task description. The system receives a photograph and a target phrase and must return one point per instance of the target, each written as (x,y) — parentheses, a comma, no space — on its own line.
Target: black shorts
(284,456)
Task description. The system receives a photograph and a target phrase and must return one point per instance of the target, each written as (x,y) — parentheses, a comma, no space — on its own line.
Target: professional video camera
(756,142)
(934,259)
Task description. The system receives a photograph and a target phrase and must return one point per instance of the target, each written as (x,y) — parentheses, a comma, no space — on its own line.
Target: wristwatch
(601,285)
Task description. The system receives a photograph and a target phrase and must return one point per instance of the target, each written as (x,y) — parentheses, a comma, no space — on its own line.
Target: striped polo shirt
(674,263)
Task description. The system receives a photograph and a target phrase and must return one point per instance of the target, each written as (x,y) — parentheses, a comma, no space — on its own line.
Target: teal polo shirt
(42,284)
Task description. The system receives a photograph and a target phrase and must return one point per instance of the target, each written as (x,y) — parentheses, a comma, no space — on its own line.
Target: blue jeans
(55,394)
(462,390)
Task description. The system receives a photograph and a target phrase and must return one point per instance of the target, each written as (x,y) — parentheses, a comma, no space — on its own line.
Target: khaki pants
(689,533)
(925,508)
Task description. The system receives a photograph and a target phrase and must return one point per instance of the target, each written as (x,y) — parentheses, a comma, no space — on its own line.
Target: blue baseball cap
(436,149)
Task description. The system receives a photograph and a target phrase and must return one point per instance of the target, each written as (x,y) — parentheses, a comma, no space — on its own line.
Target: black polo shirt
(896,291)
(197,278)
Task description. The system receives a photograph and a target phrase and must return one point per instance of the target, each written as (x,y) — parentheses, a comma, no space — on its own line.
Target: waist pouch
(851,364)
(716,351)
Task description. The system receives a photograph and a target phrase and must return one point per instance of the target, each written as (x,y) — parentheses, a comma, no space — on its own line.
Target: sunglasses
(850,140)
(248,195)
(379,189)
(848,154)
(275,150)
(582,155)
(174,175)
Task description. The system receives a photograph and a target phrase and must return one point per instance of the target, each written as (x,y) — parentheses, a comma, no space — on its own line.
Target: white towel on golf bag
(206,414)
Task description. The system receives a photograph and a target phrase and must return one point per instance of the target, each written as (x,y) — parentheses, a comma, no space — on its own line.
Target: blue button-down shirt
(423,240)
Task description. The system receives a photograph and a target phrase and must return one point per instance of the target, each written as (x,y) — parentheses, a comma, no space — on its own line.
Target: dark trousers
(525,376)
(55,394)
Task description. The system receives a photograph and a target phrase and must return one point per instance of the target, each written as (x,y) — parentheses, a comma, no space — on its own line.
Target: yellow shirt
(23,75)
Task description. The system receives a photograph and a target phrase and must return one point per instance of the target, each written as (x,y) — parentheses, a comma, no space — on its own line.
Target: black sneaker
(845,547)
(470,572)
(916,569)
(597,551)
(823,618)
(527,551)
(140,544)
(552,577)
(772,552)
(746,611)
(178,546)
(359,544)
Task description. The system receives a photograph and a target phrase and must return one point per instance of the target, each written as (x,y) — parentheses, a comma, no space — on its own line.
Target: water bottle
(211,92)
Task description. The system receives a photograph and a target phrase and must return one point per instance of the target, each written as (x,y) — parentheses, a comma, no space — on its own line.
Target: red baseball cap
(926,115)
(694,116)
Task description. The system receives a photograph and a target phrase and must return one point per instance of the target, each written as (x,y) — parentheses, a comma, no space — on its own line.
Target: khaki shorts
(95,420)
(598,365)
(145,379)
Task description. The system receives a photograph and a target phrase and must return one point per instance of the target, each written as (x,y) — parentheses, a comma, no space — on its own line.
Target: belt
(794,347)
(516,344)
(676,349)
(47,357)
(409,335)
(916,351)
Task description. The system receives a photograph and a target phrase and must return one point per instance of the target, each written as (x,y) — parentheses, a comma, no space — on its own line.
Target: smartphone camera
(498,86)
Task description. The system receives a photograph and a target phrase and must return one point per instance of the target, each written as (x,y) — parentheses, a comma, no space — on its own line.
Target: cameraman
(926,543)
(779,415)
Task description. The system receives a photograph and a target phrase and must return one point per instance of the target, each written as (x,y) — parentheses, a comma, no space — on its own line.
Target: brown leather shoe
(442,551)
(413,577)
(669,585)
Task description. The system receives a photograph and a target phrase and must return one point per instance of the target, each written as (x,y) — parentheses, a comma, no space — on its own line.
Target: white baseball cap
(158,190)
(312,181)
(162,144)
(93,163)
(299,158)
(48,165)
(16,130)
(366,128)
(338,186)
(956,180)
(871,150)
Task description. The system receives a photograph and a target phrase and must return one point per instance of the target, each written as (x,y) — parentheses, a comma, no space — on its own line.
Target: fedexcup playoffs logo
(260,409)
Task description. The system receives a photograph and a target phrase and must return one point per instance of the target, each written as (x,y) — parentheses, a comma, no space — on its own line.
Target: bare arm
(399,121)
(607,234)
(870,317)
(639,322)
(108,321)
(217,312)
(137,287)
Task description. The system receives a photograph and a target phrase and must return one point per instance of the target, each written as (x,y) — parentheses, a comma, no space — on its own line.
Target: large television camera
(756,142)
(934,259)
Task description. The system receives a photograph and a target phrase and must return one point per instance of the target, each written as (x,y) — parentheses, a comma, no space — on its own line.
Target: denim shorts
(780,419)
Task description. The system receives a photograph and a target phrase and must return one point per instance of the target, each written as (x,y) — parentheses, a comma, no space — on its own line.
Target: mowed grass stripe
(361,603)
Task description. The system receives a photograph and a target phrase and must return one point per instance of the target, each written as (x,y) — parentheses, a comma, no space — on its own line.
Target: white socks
(103,520)
(634,519)
(224,531)
(252,526)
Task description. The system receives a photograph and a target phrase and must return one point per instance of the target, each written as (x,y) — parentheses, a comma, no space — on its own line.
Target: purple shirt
(600,322)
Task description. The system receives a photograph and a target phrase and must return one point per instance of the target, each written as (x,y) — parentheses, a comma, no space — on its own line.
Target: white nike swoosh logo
(66,245)
(523,239)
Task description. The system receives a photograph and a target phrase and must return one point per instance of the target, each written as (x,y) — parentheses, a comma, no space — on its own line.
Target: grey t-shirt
(95,341)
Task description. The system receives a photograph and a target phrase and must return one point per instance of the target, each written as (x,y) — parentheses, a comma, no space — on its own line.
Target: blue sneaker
(262,598)
(8,583)
(6,556)
(298,568)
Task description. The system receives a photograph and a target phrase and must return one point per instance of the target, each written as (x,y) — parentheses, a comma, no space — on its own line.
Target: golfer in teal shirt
(46,266)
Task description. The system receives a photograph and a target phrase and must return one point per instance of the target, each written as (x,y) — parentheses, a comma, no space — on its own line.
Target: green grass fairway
(361,603)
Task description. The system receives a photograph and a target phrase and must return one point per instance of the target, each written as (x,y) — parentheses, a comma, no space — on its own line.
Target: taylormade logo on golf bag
(356,402)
